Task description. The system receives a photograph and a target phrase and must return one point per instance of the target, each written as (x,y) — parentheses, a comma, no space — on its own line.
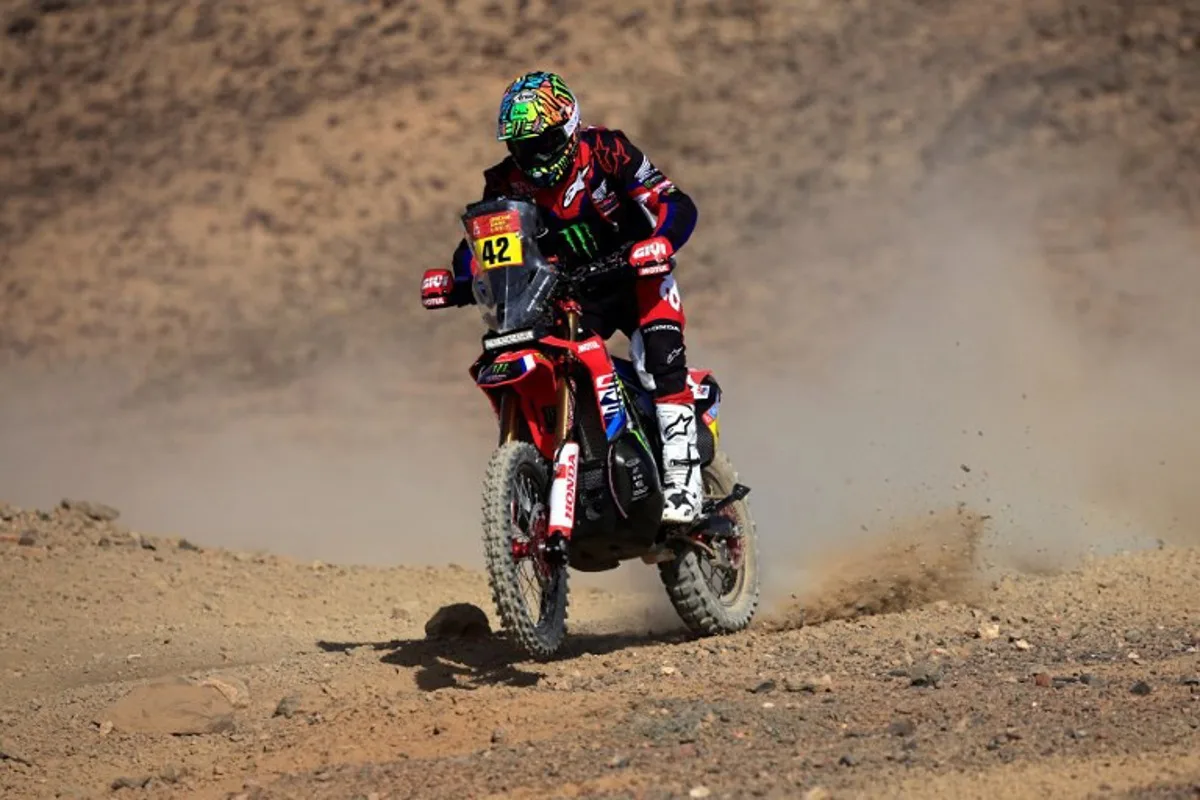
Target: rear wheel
(530,594)
(717,595)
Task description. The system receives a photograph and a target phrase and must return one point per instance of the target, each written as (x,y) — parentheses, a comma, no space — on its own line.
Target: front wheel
(530,594)
(717,596)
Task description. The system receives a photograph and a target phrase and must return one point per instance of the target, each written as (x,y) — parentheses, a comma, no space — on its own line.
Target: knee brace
(660,357)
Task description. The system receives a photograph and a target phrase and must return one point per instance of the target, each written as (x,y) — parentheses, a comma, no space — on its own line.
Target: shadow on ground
(491,660)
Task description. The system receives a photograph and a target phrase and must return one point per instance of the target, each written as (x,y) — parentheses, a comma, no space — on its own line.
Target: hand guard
(651,257)
(436,288)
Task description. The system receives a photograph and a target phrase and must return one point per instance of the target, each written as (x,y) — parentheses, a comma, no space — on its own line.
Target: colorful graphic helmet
(539,122)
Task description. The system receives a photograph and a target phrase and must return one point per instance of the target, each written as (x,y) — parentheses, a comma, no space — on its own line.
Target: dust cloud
(360,477)
(965,385)
(969,387)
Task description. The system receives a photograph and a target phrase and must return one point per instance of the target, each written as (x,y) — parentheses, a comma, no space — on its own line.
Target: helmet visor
(541,151)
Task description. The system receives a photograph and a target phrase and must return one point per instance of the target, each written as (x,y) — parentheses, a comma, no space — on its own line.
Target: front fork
(566,462)
(509,406)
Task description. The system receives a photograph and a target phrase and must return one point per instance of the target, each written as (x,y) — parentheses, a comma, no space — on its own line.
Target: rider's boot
(683,489)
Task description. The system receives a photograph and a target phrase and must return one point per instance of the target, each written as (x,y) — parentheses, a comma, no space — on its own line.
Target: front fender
(530,376)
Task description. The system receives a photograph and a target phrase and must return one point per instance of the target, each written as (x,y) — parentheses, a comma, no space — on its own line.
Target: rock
(1021,644)
(1141,688)
(1190,680)
(234,690)
(810,685)
(184,544)
(925,673)
(988,631)
(458,621)
(498,736)
(171,773)
(848,760)
(131,783)
(172,706)
(902,727)
(94,511)
(699,791)
(289,706)
(28,539)
(763,688)
(9,752)
(1041,676)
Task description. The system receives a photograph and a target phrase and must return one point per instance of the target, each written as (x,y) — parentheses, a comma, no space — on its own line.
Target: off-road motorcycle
(575,480)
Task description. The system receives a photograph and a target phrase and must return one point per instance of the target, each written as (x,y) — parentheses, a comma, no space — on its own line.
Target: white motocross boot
(683,489)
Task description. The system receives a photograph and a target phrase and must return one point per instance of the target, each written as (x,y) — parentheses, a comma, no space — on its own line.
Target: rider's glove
(436,288)
(651,257)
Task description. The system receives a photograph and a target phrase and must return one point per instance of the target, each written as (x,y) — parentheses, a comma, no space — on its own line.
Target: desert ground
(946,270)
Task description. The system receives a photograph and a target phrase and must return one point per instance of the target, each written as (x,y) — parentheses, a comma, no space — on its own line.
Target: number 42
(495,251)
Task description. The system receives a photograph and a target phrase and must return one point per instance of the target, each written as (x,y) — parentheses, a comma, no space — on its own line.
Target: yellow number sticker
(501,250)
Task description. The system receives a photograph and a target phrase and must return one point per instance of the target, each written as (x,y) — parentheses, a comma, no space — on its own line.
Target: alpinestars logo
(577,186)
(677,427)
(580,239)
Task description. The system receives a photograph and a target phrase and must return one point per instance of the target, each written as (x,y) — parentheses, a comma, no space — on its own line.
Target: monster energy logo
(579,237)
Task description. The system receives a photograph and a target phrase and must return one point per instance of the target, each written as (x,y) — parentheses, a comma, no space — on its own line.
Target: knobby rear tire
(697,602)
(541,631)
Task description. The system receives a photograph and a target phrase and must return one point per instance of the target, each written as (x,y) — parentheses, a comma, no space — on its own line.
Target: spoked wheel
(716,591)
(530,594)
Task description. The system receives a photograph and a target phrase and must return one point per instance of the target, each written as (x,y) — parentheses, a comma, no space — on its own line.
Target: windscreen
(511,278)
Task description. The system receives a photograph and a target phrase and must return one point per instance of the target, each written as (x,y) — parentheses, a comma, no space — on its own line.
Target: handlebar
(576,275)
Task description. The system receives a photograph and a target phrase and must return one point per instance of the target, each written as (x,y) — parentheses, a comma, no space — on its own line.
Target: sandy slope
(241,191)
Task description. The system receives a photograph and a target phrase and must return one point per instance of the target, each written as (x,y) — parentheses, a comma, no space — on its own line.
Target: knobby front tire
(515,494)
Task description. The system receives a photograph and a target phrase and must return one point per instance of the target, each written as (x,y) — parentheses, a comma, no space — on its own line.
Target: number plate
(501,250)
(496,240)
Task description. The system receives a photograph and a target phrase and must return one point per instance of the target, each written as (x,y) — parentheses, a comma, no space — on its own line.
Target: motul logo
(653,269)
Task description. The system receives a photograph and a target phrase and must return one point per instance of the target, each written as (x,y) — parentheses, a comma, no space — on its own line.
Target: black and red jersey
(613,196)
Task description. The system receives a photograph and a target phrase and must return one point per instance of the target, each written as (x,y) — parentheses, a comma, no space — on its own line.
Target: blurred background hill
(200,193)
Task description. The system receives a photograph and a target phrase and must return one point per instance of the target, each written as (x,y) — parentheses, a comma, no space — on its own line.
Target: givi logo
(652,250)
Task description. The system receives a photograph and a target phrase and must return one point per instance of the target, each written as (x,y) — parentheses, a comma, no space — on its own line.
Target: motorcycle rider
(600,195)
